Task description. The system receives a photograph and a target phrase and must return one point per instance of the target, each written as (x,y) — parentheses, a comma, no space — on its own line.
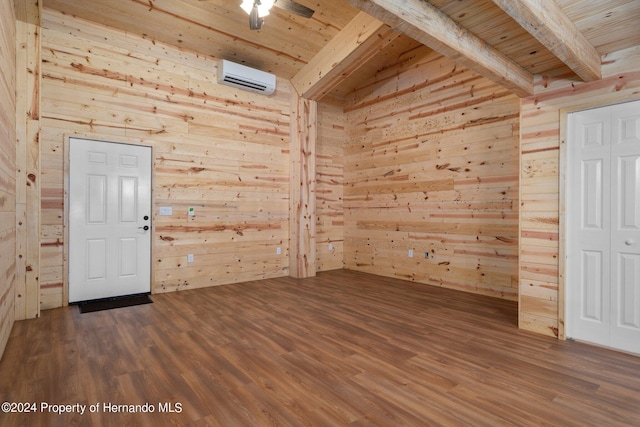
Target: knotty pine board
(8,218)
(223,151)
(302,205)
(542,290)
(28,177)
(431,164)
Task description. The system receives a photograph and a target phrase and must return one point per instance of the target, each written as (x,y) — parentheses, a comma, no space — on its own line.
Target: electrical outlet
(410,253)
(330,246)
(190,258)
(278,250)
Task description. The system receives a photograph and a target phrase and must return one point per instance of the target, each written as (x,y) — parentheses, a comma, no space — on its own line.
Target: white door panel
(592,279)
(592,195)
(109,206)
(604,245)
(591,223)
(96,259)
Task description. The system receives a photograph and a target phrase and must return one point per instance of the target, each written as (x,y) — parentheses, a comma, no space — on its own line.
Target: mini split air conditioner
(243,77)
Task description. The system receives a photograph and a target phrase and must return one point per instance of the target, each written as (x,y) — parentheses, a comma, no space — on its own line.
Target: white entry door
(603,217)
(109,219)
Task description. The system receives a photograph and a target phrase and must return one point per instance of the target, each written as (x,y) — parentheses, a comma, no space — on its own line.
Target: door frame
(66,174)
(563,241)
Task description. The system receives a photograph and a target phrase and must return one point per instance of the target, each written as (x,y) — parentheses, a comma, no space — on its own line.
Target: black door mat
(115,302)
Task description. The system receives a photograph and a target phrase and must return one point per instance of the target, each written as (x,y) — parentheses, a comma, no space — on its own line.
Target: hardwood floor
(340,349)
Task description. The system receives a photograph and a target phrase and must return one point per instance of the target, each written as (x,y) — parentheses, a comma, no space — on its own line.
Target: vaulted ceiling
(348,42)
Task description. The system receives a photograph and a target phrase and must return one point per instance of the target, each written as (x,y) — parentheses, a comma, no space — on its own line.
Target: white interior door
(109,219)
(603,217)
(625,230)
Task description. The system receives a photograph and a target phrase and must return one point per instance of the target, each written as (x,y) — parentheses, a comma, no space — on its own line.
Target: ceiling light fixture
(257,10)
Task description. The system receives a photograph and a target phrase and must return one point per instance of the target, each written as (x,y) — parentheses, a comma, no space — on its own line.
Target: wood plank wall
(218,149)
(541,286)
(432,166)
(7,169)
(329,183)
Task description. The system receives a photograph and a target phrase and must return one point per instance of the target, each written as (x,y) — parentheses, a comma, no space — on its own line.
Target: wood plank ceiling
(507,41)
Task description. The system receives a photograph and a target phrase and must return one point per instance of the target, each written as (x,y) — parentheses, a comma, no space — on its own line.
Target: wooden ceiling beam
(545,21)
(426,24)
(362,38)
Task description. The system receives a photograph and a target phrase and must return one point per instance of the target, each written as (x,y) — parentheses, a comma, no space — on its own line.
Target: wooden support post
(27,295)
(302,229)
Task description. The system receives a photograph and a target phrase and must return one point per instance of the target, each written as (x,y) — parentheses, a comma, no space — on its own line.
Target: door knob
(145,228)
(628,242)
(146,217)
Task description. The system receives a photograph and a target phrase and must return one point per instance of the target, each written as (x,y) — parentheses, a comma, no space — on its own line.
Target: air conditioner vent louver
(233,81)
(243,77)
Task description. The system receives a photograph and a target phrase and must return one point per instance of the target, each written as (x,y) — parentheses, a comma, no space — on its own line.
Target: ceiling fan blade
(294,7)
